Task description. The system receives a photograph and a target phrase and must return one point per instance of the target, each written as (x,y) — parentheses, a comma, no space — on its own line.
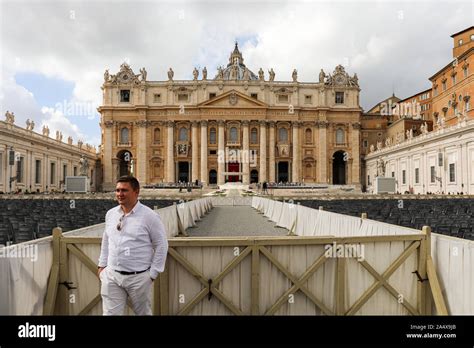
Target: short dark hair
(130,179)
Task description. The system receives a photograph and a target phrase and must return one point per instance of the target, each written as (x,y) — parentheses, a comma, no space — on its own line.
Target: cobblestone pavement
(235,221)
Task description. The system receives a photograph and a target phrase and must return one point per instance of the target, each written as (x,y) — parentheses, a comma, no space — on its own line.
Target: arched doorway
(283,175)
(338,168)
(253,176)
(183,171)
(212,177)
(124,163)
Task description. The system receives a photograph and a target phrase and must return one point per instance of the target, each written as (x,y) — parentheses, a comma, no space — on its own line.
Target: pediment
(233,99)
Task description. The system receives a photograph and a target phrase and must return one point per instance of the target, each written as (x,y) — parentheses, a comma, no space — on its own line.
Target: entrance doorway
(254,176)
(212,177)
(183,171)
(338,168)
(125,163)
(234,168)
(283,175)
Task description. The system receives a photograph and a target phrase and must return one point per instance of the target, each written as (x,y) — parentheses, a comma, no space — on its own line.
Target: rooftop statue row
(30,125)
(235,70)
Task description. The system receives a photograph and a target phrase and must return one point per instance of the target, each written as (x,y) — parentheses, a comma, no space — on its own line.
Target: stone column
(323,161)
(204,156)
(271,150)
(246,153)
(263,152)
(195,151)
(108,180)
(221,153)
(142,157)
(296,152)
(170,176)
(355,154)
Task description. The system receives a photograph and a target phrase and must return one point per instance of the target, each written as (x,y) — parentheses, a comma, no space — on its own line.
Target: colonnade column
(204,175)
(271,150)
(262,175)
(142,158)
(170,176)
(195,151)
(245,158)
(221,154)
(296,151)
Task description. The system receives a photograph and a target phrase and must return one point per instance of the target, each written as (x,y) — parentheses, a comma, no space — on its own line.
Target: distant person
(264,186)
(133,252)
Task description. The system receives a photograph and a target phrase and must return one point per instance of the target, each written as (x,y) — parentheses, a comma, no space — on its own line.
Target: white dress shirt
(140,244)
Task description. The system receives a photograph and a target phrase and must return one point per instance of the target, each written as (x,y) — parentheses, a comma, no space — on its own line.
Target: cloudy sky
(54,54)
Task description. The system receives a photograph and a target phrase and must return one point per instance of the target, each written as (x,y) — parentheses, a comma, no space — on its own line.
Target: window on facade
(453,79)
(183,134)
(52,176)
(64,172)
(444,85)
(452,173)
(37,171)
(212,95)
(212,136)
(282,98)
(92,176)
(283,134)
(465,72)
(157,98)
(212,152)
(404,176)
(254,136)
(1,166)
(20,169)
(75,171)
(460,42)
(417,175)
(308,136)
(432,174)
(307,99)
(368,179)
(339,97)
(339,136)
(435,91)
(254,95)
(124,135)
(183,97)
(157,135)
(393,174)
(365,143)
(472,37)
(467,105)
(233,134)
(125,95)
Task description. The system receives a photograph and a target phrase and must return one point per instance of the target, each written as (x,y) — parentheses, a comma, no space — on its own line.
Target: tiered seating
(452,217)
(24,219)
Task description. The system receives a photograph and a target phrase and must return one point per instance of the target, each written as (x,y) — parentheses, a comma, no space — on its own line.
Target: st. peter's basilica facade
(236,126)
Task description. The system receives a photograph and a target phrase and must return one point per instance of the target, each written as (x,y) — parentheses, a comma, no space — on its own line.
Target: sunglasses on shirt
(119,225)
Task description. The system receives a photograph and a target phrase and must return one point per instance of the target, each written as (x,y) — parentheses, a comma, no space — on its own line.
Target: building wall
(310,115)
(32,146)
(455,145)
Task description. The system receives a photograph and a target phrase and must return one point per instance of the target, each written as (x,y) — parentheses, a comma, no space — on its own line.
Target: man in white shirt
(133,252)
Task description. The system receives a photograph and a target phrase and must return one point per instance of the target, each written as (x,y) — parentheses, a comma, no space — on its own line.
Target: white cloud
(385,50)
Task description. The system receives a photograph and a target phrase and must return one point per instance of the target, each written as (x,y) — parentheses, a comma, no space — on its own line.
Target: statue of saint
(195,74)
(170,74)
(106,75)
(84,166)
(261,75)
(144,73)
(204,73)
(322,76)
(294,75)
(272,74)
